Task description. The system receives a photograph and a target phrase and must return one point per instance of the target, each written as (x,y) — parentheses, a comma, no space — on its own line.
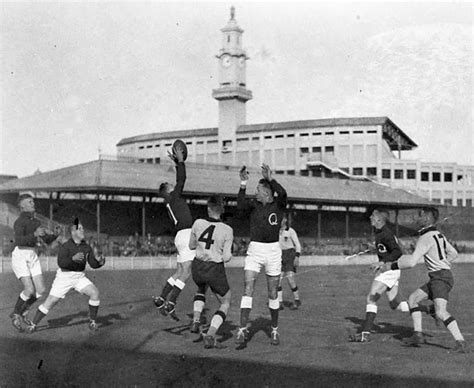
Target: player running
(72,258)
(388,251)
(212,239)
(266,214)
(25,261)
(290,254)
(438,254)
(178,211)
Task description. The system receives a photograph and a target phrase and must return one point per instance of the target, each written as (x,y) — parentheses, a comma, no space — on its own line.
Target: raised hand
(244,174)
(266,172)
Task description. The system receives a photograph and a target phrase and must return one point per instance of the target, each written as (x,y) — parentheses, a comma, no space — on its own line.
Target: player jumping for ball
(437,253)
(266,214)
(212,239)
(178,211)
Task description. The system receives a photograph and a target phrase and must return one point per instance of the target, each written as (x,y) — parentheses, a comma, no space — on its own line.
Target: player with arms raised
(437,254)
(266,214)
(212,239)
(180,215)
(72,258)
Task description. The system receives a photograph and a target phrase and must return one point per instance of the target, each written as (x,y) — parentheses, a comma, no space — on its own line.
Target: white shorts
(66,280)
(181,241)
(389,278)
(25,262)
(266,255)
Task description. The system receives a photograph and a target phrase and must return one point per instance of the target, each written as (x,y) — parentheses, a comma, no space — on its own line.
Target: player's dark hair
(22,197)
(163,188)
(216,203)
(267,185)
(74,223)
(433,211)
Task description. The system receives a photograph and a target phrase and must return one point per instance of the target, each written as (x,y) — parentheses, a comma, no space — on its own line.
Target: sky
(76,77)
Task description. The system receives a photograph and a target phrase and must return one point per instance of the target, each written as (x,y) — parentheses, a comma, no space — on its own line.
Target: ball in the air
(180,144)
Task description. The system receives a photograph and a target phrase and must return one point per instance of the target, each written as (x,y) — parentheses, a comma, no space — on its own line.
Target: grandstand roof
(394,136)
(127,178)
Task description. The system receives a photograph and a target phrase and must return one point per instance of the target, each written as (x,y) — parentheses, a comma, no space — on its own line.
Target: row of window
(449,201)
(398,174)
(425,175)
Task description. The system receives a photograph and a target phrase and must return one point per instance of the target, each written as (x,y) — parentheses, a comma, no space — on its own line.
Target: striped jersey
(289,240)
(436,251)
(212,240)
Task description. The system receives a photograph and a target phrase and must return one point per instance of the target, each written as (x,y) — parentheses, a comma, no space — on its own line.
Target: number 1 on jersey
(206,236)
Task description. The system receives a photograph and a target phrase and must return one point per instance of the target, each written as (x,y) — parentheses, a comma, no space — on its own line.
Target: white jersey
(436,251)
(289,239)
(212,240)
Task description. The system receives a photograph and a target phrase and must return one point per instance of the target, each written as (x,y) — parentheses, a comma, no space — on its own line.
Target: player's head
(215,206)
(379,218)
(26,203)
(428,216)
(76,229)
(165,188)
(264,192)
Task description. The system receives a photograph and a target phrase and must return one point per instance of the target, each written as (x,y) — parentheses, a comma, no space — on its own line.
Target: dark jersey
(265,220)
(24,228)
(69,249)
(177,206)
(386,244)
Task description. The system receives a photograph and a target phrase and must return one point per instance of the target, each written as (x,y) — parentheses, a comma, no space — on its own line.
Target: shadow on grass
(56,364)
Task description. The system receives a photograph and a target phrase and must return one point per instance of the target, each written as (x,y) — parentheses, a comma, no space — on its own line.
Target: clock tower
(232,93)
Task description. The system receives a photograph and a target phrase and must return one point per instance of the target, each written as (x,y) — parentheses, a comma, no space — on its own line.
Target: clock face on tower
(225,60)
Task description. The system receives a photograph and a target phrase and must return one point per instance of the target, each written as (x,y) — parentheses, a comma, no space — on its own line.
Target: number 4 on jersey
(206,236)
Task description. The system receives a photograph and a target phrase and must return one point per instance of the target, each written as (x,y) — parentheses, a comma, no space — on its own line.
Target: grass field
(136,346)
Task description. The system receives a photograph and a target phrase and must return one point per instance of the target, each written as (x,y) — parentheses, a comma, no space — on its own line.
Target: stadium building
(354,148)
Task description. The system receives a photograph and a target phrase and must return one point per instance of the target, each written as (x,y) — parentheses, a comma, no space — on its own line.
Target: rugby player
(25,262)
(266,214)
(212,239)
(290,254)
(438,254)
(72,258)
(178,211)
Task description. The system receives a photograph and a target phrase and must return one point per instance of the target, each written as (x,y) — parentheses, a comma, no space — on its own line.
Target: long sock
(40,314)
(416,317)
(296,293)
(274,305)
(167,288)
(370,314)
(93,309)
(198,306)
(177,288)
(453,328)
(19,305)
(245,307)
(216,322)
(28,303)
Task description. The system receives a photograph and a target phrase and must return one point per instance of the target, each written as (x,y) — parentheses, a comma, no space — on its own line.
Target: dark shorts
(288,260)
(209,273)
(441,282)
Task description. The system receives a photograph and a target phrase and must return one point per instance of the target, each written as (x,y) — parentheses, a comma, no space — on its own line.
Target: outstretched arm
(243,204)
(282,197)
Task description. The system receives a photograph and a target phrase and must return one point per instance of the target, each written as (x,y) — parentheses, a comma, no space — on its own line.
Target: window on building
(189,143)
(448,176)
(345,169)
(200,142)
(372,131)
(149,146)
(344,132)
(290,135)
(459,202)
(278,136)
(329,133)
(386,173)
(211,142)
(358,132)
(291,172)
(255,138)
(411,174)
(157,145)
(328,174)
(329,150)
(141,160)
(448,201)
(469,202)
(157,160)
(425,176)
(149,160)
(304,134)
(267,137)
(357,171)
(316,133)
(316,172)
(436,200)
(436,177)
(398,174)
(316,150)
(304,150)
(279,172)
(141,147)
(304,172)
(371,171)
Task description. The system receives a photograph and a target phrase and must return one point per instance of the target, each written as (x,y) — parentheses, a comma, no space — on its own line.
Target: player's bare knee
(29,291)
(248,289)
(373,298)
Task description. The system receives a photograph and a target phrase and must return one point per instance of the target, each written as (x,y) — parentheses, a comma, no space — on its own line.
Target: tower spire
(232,13)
